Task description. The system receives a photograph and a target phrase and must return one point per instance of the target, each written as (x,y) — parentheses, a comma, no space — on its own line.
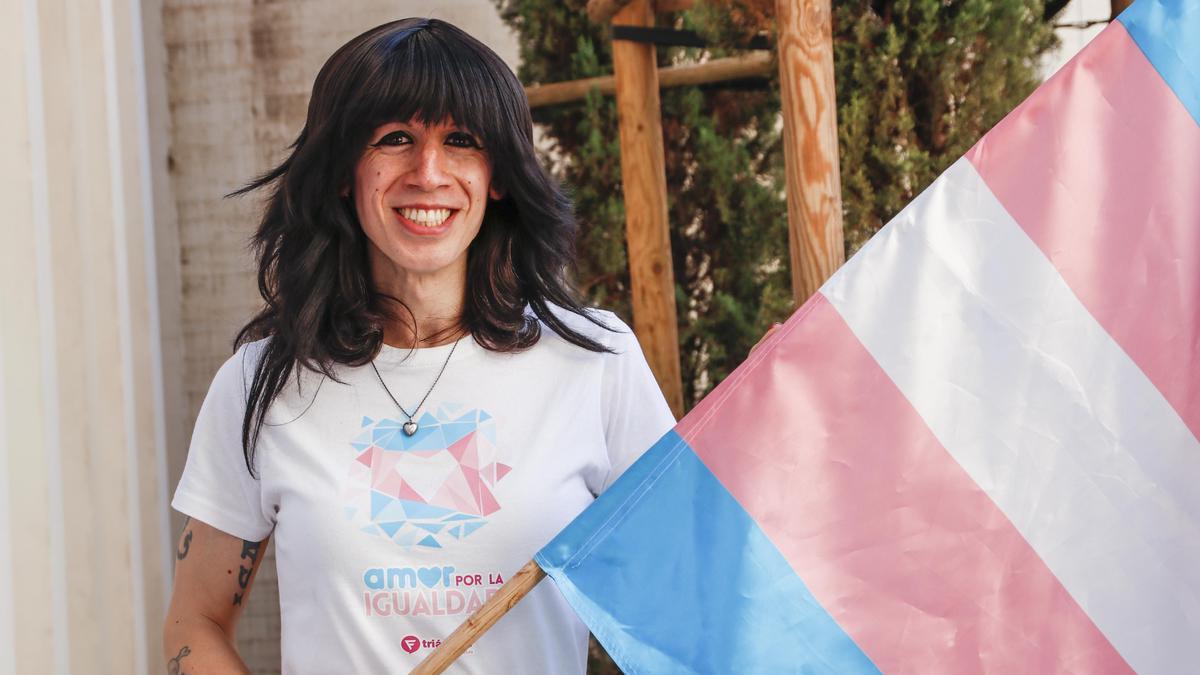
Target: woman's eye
(394,138)
(462,140)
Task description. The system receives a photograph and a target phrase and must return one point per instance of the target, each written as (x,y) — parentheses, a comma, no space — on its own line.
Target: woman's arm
(213,574)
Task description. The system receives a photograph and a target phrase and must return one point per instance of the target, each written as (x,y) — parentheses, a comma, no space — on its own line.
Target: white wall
(83,531)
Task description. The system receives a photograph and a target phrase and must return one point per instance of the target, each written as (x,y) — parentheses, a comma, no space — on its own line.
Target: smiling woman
(421,192)
(421,391)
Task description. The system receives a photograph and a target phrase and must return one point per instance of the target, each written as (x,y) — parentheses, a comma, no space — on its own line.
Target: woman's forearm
(196,646)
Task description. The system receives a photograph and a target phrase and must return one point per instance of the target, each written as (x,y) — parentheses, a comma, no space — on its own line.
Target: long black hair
(320,307)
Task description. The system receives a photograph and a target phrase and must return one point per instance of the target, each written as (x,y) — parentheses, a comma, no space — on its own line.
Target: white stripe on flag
(1041,407)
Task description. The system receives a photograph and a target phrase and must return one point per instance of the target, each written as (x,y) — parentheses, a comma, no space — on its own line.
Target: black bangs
(430,71)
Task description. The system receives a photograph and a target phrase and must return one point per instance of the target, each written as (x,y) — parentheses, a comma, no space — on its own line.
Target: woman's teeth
(426,217)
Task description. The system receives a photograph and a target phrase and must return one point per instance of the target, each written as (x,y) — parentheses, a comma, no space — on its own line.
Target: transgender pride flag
(975,449)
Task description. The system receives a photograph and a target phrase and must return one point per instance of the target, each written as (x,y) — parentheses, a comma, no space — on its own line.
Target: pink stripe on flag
(900,546)
(1099,167)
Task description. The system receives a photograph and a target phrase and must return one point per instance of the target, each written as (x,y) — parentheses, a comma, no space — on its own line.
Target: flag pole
(517,587)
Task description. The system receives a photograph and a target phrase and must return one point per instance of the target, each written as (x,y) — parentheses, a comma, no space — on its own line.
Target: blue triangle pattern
(421,510)
(379,501)
(391,528)
(456,431)
(459,516)
(427,438)
(392,512)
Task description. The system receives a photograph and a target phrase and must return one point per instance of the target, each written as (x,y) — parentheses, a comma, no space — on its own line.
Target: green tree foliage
(918,82)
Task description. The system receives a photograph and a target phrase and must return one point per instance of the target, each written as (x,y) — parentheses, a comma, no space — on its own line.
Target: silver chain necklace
(410,427)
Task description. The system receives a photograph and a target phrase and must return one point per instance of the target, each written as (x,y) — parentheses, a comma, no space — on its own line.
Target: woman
(422,403)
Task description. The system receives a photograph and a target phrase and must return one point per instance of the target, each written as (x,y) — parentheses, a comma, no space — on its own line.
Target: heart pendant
(410,428)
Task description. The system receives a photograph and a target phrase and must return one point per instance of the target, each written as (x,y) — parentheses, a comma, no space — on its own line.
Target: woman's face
(420,192)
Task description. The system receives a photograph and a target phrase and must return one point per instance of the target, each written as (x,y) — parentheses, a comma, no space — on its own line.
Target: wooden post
(814,189)
(517,587)
(643,175)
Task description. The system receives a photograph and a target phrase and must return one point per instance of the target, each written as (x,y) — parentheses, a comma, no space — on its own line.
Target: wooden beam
(753,64)
(644,179)
(814,192)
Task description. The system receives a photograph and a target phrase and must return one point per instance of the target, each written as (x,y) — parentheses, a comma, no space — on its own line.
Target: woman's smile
(426,221)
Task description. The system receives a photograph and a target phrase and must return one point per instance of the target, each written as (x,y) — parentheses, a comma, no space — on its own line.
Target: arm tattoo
(249,551)
(174,667)
(186,542)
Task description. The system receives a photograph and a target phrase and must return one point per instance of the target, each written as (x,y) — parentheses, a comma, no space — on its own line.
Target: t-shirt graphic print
(430,489)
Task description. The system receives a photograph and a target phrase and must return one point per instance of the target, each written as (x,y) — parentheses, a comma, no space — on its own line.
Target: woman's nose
(430,171)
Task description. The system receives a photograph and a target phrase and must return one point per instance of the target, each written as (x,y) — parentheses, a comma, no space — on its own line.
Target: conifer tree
(918,81)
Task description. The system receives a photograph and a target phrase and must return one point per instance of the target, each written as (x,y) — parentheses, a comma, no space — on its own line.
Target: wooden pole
(601,11)
(754,64)
(814,190)
(517,587)
(644,179)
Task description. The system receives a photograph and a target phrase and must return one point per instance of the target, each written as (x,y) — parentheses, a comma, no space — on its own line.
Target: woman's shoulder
(600,325)
(236,374)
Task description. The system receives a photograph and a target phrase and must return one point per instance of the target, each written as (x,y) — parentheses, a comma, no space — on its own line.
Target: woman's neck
(435,303)
(431,331)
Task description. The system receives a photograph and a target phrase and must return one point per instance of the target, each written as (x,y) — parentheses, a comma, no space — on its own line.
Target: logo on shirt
(414,643)
(430,488)
(410,643)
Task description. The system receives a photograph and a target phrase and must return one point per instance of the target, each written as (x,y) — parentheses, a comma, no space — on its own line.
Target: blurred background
(126,274)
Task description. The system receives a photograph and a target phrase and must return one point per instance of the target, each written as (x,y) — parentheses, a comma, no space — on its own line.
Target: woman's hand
(213,575)
(774,327)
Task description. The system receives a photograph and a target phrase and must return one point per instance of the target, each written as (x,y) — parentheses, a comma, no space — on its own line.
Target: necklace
(410,427)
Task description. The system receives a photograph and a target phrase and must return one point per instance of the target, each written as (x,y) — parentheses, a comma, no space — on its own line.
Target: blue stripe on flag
(1168,33)
(686,557)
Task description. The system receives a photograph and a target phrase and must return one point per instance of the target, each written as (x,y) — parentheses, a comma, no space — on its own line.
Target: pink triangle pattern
(389,484)
(455,482)
(367,456)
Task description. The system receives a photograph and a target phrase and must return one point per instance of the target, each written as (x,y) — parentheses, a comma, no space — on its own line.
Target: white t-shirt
(385,543)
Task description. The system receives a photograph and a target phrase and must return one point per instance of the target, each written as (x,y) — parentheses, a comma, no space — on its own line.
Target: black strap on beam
(669,37)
